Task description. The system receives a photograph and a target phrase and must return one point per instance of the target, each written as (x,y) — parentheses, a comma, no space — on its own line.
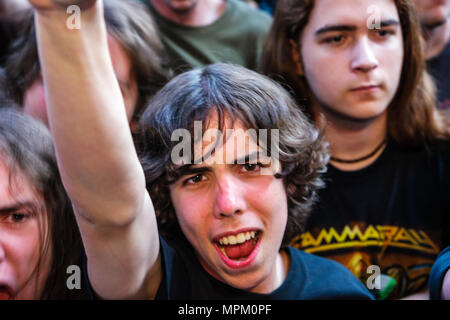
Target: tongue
(240,250)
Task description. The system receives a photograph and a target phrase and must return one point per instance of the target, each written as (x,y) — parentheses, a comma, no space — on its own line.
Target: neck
(351,139)
(276,279)
(436,39)
(202,13)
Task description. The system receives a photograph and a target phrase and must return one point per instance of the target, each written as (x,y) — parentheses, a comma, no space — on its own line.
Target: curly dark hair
(240,94)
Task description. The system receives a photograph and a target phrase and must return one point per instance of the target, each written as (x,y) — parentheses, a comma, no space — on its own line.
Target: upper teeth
(239,238)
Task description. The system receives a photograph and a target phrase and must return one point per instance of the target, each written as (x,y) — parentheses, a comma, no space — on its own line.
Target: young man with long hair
(225,216)
(358,69)
(39,238)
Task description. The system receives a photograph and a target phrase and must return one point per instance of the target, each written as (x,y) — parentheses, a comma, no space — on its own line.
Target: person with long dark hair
(225,217)
(39,238)
(358,69)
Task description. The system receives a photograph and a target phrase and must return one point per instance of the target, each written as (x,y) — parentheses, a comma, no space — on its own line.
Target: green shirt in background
(236,37)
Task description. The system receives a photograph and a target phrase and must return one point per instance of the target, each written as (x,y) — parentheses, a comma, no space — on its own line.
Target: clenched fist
(55,4)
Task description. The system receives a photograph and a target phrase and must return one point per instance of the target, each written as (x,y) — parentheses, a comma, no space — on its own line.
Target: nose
(229,199)
(364,59)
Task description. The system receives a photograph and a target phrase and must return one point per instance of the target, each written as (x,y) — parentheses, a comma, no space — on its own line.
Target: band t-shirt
(309,278)
(391,215)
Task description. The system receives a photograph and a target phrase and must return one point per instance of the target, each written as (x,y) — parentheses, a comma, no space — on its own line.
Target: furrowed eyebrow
(334,28)
(189,169)
(388,23)
(16,207)
(331,28)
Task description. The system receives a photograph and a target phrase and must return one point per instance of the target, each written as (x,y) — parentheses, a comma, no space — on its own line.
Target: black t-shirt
(309,277)
(393,214)
(439,67)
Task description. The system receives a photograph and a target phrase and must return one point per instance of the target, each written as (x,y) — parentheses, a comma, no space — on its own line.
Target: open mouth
(5,293)
(239,250)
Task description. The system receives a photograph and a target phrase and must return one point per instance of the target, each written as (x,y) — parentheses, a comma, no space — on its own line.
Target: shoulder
(439,153)
(435,150)
(443,147)
(320,264)
(327,279)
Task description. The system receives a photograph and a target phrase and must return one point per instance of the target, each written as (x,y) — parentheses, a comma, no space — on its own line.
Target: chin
(357,115)
(247,282)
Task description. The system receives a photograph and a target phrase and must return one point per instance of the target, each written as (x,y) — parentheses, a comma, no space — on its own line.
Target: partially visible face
(234,216)
(21,228)
(34,103)
(180,6)
(432,12)
(352,70)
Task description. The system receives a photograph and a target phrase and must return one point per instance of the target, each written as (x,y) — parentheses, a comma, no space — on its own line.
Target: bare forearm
(87,117)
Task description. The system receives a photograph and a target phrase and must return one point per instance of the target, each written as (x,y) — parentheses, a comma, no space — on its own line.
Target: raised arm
(96,155)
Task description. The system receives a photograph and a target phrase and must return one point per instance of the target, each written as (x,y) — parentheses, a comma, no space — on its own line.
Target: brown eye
(194,180)
(337,39)
(384,34)
(18,217)
(334,39)
(250,167)
(197,178)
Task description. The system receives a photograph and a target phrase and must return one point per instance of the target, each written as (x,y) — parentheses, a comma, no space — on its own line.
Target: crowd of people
(225,149)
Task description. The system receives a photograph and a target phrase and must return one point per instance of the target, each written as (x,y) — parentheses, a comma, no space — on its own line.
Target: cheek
(23,252)
(275,207)
(192,211)
(29,256)
(324,74)
(392,62)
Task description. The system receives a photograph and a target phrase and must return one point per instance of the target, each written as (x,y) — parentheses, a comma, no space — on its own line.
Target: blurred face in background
(353,71)
(34,102)
(179,6)
(433,12)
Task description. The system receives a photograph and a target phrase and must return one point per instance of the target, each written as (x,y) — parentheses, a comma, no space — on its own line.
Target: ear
(295,54)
